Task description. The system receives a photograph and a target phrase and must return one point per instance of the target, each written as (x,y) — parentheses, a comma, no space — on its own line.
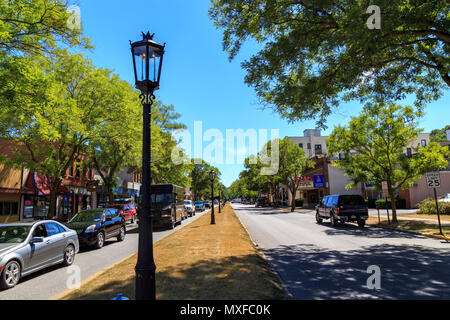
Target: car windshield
(89,215)
(198,202)
(14,234)
(161,198)
(188,202)
(351,200)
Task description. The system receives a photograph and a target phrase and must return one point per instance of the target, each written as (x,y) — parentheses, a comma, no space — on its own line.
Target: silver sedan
(29,247)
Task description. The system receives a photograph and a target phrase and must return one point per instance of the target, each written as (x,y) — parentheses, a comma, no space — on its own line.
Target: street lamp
(212,176)
(147,62)
(220,191)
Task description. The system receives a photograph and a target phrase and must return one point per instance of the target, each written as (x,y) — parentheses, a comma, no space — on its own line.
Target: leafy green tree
(52,126)
(118,145)
(36,27)
(293,163)
(317,52)
(439,134)
(200,180)
(373,148)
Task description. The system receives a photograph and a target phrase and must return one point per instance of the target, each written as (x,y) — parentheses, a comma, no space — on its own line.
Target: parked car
(262,202)
(167,205)
(342,208)
(128,211)
(446,198)
(95,226)
(199,206)
(236,200)
(189,208)
(207,204)
(245,201)
(29,247)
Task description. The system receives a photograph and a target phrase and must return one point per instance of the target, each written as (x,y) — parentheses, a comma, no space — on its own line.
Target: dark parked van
(343,208)
(167,205)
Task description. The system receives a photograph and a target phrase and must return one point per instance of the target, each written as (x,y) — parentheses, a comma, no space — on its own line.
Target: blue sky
(197,77)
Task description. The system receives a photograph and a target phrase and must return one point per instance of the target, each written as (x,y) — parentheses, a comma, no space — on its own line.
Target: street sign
(318,181)
(433,182)
(433,179)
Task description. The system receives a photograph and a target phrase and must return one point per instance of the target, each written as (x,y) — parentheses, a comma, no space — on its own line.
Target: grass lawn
(444,217)
(199,261)
(412,225)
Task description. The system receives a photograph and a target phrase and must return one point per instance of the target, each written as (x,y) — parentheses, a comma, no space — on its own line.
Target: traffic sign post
(433,182)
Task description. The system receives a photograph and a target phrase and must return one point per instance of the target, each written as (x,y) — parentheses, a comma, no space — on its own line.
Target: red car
(127,211)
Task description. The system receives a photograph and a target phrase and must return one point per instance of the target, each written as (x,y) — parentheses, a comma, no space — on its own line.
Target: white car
(446,198)
(237,200)
(189,208)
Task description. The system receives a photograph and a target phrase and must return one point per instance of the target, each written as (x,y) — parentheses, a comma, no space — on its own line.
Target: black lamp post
(147,63)
(212,176)
(220,191)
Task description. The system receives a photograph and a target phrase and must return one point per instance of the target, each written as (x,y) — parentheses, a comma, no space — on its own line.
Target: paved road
(47,283)
(325,262)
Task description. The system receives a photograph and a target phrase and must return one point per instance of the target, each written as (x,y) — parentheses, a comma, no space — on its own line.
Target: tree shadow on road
(407,272)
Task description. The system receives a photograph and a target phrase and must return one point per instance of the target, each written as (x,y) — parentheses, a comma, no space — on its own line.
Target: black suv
(262,202)
(342,208)
(95,226)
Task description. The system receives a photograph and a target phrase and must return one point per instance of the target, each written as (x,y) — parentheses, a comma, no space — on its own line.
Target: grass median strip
(423,227)
(199,261)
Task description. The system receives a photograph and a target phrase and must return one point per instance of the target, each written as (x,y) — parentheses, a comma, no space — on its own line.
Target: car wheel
(318,219)
(69,255)
(100,240)
(121,235)
(334,222)
(361,223)
(11,275)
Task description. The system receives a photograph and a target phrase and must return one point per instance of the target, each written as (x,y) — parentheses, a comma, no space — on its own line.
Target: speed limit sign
(433,180)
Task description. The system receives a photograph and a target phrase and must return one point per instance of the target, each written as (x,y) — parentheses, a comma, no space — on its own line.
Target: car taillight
(337,210)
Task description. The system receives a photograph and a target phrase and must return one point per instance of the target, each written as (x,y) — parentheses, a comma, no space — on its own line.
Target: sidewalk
(199,261)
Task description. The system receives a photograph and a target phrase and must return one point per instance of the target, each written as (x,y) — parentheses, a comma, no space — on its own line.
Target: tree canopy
(316,53)
(373,148)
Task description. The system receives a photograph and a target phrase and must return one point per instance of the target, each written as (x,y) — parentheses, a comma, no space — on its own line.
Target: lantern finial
(147,36)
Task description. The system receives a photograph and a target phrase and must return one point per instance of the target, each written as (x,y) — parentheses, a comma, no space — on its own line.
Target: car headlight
(90,229)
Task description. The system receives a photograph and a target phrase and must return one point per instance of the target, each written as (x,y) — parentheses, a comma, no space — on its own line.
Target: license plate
(353,217)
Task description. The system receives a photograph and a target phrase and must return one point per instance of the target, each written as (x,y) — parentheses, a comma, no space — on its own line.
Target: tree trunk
(393,202)
(52,207)
(110,195)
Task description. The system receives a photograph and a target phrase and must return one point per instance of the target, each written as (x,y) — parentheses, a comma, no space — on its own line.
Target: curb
(267,259)
(66,292)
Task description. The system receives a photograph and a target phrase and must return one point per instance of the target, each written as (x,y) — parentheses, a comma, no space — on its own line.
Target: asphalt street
(49,282)
(319,261)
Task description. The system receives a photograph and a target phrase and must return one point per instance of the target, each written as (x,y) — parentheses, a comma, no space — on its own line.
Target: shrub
(299,202)
(401,203)
(428,206)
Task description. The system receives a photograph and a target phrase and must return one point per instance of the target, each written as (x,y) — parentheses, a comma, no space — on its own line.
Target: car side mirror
(36,240)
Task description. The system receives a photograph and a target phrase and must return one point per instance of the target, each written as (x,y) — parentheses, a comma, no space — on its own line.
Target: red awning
(42,185)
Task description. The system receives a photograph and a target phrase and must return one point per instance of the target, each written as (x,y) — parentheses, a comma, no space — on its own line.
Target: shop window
(309,146)
(8,208)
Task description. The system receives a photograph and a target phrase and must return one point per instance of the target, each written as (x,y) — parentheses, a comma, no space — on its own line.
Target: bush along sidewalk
(198,261)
